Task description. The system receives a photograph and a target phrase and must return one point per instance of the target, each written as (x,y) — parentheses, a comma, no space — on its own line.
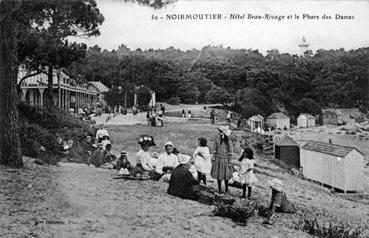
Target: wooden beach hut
(305,120)
(278,120)
(340,167)
(288,151)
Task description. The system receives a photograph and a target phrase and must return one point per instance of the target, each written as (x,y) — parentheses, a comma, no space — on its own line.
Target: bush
(239,211)
(174,101)
(41,127)
(331,230)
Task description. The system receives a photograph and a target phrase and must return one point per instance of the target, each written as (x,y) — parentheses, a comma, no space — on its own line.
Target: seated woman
(166,161)
(182,182)
(97,158)
(279,202)
(143,156)
(123,162)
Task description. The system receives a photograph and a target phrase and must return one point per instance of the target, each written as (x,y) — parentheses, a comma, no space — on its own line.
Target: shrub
(174,101)
(239,211)
(41,127)
(312,226)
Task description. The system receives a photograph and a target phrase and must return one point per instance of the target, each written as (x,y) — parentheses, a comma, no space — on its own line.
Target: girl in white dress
(247,176)
(202,160)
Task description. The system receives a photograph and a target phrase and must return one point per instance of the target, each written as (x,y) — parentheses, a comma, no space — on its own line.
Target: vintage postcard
(164,118)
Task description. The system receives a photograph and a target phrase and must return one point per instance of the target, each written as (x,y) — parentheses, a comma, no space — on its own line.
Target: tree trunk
(49,95)
(10,148)
(125,98)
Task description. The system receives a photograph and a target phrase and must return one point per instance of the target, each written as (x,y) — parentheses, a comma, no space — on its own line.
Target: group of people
(185,173)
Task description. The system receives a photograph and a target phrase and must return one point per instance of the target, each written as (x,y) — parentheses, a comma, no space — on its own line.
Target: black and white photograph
(184,118)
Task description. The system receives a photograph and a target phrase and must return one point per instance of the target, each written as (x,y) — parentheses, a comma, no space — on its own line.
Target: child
(202,160)
(247,176)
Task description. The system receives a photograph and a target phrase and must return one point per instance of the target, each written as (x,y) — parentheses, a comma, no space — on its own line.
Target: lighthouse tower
(303,45)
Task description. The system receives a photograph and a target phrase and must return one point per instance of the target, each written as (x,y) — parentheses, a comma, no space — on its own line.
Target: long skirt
(220,170)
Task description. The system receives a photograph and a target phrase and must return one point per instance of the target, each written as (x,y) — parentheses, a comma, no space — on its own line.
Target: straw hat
(183,159)
(123,152)
(225,130)
(276,184)
(168,143)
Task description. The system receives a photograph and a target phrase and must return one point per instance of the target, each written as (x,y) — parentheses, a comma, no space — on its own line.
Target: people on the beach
(246,175)
(212,116)
(202,159)
(167,161)
(97,158)
(182,182)
(222,155)
(101,133)
(143,156)
(279,202)
(229,116)
(123,162)
(183,113)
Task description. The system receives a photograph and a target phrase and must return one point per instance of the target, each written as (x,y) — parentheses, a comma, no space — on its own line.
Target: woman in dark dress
(222,155)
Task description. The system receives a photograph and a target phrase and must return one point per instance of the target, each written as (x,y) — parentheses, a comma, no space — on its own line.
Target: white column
(24,93)
(41,90)
(135,100)
(31,98)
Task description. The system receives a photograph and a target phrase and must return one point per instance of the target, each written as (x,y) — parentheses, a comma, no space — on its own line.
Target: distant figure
(97,158)
(183,113)
(162,108)
(239,121)
(148,118)
(123,162)
(229,116)
(212,116)
(189,115)
(101,133)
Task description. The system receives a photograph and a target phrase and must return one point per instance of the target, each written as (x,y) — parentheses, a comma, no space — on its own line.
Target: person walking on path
(212,116)
(246,175)
(202,160)
(222,156)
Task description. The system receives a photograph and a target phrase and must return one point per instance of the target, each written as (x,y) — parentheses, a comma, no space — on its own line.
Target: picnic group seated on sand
(187,175)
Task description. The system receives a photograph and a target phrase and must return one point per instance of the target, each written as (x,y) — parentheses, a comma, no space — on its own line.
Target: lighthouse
(303,45)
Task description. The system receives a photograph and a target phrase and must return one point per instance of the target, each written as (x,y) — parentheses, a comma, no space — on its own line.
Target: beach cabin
(305,120)
(340,167)
(288,151)
(329,118)
(278,120)
(255,122)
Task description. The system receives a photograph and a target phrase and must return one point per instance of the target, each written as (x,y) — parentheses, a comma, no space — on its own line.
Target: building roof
(278,115)
(327,148)
(257,118)
(308,116)
(99,86)
(286,141)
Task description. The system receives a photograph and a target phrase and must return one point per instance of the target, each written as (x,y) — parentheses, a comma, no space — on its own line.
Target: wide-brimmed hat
(276,184)
(155,155)
(145,139)
(100,145)
(225,130)
(168,143)
(123,152)
(183,159)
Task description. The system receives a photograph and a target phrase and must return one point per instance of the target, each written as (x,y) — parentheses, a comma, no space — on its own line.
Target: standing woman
(222,156)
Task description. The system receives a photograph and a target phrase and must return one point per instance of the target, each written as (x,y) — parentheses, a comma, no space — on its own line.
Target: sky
(132,25)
